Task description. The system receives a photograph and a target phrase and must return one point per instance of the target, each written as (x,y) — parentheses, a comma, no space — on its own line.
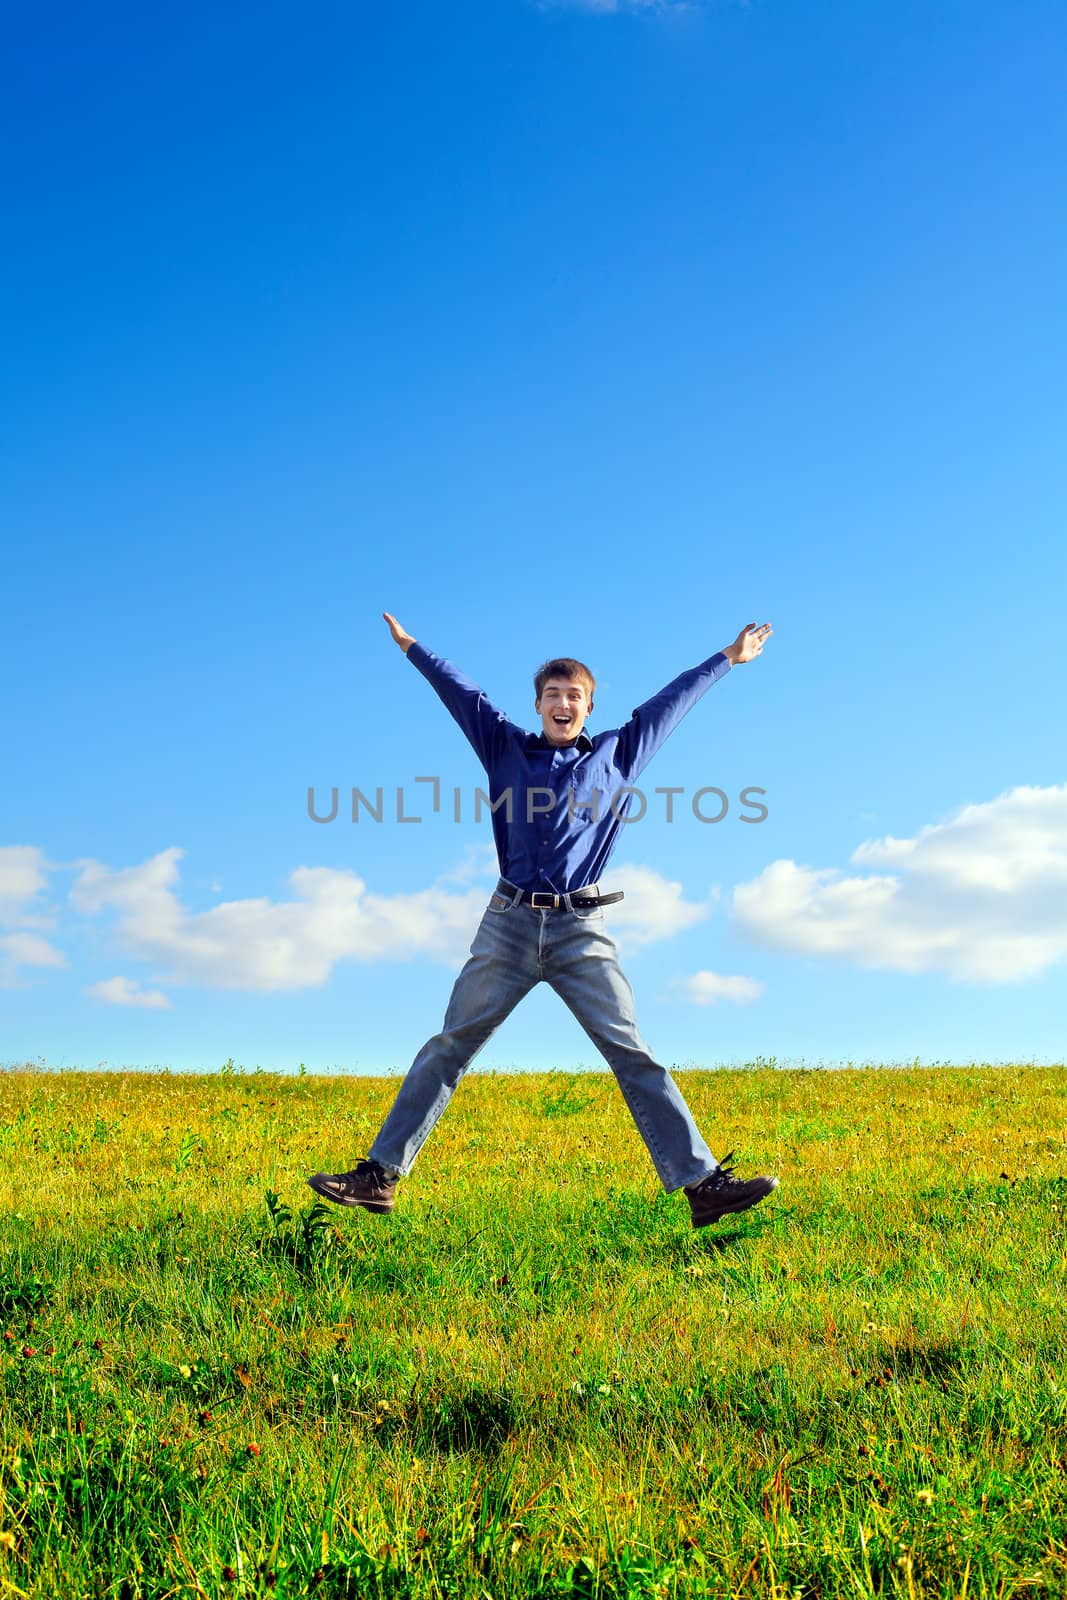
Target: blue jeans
(515,948)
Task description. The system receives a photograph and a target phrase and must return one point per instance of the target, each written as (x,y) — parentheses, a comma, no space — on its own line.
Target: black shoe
(369,1186)
(720,1193)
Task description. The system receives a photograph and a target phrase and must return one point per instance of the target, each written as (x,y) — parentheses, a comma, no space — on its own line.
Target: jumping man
(555,826)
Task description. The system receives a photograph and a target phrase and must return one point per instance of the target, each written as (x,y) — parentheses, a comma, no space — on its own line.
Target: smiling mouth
(562,722)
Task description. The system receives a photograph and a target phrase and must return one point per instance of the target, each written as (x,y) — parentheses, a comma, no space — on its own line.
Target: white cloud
(22,879)
(612,7)
(980,896)
(25,950)
(128,992)
(270,946)
(654,907)
(23,869)
(708,988)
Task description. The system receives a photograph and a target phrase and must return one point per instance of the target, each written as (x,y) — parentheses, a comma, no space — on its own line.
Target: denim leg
(501,969)
(581,964)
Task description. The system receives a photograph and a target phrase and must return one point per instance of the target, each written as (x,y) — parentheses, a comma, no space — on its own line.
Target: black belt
(543,900)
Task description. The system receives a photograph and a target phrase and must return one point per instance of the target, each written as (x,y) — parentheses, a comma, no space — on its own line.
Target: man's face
(564,706)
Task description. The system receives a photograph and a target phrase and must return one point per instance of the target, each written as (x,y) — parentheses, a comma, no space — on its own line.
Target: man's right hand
(403,639)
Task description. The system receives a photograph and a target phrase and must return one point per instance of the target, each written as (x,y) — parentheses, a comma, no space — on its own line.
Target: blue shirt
(557,811)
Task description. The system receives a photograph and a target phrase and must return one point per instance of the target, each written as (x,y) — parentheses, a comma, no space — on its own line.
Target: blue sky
(566,328)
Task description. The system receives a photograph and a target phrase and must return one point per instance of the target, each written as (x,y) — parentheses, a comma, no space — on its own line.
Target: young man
(556,821)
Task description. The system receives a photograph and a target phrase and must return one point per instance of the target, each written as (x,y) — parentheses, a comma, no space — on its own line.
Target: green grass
(534,1379)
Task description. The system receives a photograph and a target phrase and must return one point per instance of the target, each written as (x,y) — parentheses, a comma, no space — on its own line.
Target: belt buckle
(539,895)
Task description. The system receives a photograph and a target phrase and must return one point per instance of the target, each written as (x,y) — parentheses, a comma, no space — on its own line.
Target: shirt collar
(537,741)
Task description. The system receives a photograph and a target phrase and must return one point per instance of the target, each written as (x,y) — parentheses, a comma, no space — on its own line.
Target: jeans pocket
(498,904)
(594,914)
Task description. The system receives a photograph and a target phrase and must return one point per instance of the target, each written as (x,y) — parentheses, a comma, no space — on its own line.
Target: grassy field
(534,1379)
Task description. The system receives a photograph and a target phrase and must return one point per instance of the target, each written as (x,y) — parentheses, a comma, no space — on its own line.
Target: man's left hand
(748,644)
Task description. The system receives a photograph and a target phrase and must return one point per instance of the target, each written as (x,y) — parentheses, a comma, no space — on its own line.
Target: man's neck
(568,744)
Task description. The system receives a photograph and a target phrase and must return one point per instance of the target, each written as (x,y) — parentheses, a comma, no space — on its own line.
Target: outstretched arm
(481,722)
(653,722)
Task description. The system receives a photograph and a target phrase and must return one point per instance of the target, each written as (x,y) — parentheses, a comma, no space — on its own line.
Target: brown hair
(564,667)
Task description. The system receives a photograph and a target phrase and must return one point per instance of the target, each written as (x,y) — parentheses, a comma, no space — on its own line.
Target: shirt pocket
(583,806)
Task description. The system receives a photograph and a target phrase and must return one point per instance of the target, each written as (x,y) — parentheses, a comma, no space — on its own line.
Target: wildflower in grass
(98,1344)
(925,1497)
(229,1575)
(7,1540)
(186,1372)
(28,1350)
(252,1449)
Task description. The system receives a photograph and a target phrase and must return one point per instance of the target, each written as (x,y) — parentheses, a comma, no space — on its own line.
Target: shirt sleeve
(483,724)
(653,722)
